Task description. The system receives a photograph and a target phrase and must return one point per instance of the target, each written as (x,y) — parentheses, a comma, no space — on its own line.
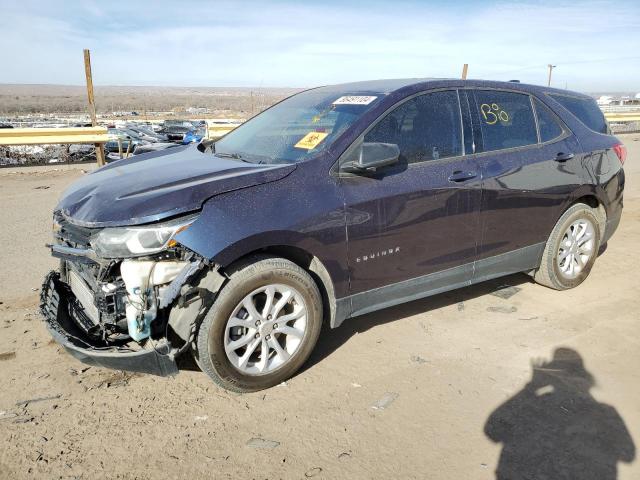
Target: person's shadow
(554,429)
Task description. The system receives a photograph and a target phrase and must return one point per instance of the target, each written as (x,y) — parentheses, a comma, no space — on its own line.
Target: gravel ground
(438,388)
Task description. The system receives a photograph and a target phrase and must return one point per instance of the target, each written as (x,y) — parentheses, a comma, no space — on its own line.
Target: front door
(413,227)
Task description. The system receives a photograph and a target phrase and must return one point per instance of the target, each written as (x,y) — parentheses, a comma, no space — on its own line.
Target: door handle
(563,157)
(460,176)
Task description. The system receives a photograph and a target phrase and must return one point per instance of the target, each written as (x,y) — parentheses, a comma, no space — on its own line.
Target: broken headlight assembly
(125,242)
(124,278)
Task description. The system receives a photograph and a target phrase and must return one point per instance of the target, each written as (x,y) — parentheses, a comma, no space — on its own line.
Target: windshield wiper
(228,155)
(236,156)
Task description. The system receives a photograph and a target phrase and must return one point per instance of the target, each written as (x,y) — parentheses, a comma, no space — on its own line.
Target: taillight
(621,152)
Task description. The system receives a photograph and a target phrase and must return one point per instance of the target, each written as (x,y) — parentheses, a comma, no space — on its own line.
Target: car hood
(157,185)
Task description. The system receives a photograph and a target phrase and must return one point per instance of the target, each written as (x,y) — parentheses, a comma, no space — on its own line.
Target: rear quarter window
(586,109)
(548,123)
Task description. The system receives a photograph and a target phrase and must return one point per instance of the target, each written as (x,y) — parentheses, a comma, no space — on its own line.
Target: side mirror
(373,155)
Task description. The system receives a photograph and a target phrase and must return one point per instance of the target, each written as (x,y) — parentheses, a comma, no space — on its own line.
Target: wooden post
(464,71)
(92,105)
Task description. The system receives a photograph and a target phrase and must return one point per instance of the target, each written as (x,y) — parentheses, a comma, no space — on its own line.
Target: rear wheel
(262,327)
(571,250)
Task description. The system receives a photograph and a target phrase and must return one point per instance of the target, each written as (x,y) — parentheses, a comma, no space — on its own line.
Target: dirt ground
(407,392)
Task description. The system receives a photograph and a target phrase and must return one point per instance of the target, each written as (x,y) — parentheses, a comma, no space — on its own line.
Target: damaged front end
(127,298)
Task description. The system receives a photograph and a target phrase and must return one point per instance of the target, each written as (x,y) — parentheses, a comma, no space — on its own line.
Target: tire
(555,271)
(258,279)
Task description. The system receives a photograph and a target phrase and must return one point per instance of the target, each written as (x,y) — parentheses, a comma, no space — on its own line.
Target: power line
(579,62)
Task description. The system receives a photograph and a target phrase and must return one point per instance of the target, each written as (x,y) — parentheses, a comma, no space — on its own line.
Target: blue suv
(333,203)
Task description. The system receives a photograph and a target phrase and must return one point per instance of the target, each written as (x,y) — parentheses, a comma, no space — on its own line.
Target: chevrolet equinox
(333,203)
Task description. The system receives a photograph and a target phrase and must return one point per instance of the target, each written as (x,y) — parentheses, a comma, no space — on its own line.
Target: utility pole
(465,67)
(92,105)
(551,67)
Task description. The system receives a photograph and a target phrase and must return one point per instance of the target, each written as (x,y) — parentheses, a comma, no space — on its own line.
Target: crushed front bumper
(54,300)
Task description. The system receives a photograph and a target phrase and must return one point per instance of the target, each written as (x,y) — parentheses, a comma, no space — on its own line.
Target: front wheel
(262,327)
(571,250)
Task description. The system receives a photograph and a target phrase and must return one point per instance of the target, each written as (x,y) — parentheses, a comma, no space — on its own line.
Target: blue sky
(595,44)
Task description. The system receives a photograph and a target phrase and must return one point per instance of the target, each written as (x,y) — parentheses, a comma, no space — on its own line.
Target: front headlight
(123,242)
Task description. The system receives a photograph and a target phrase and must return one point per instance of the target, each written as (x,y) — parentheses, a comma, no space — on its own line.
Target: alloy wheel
(265,329)
(576,248)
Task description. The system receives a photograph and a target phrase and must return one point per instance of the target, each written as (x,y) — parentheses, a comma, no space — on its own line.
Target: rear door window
(586,109)
(548,124)
(427,127)
(506,119)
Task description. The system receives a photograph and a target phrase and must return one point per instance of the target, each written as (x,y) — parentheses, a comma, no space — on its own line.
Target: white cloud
(298,44)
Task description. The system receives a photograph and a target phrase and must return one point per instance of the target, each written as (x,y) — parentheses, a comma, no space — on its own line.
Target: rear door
(419,217)
(529,167)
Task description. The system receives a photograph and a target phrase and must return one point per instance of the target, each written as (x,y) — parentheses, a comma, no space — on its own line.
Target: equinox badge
(382,253)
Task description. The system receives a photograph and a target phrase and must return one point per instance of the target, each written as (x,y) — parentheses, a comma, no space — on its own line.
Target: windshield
(117,131)
(148,131)
(296,128)
(178,123)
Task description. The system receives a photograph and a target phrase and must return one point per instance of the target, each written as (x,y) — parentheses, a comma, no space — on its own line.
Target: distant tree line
(243,104)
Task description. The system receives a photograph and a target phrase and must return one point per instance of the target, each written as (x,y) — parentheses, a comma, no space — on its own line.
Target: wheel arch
(591,199)
(588,195)
(305,260)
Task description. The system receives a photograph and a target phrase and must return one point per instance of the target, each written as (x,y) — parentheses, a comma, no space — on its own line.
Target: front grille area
(71,235)
(98,300)
(84,295)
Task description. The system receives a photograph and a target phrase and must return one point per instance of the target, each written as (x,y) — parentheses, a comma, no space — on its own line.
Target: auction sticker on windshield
(355,100)
(311,140)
